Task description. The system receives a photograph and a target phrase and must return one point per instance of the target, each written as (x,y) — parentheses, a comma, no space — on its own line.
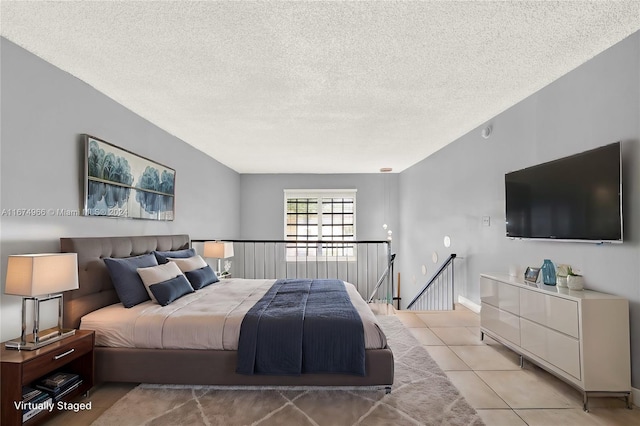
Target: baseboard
(469,304)
(635,396)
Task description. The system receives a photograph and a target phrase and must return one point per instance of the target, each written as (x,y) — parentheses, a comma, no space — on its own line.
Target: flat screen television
(576,198)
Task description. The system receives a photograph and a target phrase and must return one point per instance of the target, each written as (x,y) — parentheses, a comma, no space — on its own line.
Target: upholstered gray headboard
(95,289)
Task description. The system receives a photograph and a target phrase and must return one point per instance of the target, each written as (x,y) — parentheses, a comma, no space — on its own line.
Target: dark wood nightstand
(73,354)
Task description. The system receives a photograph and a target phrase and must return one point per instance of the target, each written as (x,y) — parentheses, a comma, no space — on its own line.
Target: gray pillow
(162,256)
(202,277)
(170,290)
(124,276)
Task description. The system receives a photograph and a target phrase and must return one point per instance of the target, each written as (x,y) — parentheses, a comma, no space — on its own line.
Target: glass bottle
(548,272)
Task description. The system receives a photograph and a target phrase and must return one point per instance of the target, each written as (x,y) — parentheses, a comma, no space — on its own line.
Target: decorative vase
(548,272)
(561,281)
(575,282)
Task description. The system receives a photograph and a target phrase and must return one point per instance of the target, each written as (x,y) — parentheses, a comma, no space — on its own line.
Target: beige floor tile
(450,319)
(487,357)
(504,417)
(446,358)
(476,391)
(457,336)
(561,387)
(426,336)
(607,403)
(577,417)
(524,389)
(409,319)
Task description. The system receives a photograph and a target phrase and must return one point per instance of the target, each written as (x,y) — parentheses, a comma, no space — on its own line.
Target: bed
(117,360)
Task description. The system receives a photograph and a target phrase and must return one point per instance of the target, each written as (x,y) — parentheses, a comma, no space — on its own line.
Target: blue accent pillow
(170,290)
(125,278)
(162,256)
(202,277)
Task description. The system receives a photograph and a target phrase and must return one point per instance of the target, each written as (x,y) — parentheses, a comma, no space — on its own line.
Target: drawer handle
(70,351)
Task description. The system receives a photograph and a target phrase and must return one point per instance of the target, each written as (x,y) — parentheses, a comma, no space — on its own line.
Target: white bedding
(210,318)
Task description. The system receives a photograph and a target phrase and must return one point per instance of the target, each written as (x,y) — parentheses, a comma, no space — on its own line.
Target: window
(320,215)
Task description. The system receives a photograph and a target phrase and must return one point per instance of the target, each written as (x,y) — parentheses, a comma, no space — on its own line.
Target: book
(67,390)
(59,379)
(28,393)
(26,415)
(57,383)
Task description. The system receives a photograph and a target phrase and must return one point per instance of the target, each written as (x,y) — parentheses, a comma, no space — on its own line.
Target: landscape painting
(122,184)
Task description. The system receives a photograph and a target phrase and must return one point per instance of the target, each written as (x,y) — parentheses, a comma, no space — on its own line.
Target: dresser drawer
(556,348)
(553,312)
(55,359)
(502,323)
(500,295)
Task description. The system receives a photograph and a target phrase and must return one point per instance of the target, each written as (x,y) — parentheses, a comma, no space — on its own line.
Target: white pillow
(158,274)
(189,263)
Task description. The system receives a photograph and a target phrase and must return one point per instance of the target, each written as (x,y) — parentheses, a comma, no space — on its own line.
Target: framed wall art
(119,183)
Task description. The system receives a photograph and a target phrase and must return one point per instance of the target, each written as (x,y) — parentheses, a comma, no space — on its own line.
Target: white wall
(449,192)
(44,110)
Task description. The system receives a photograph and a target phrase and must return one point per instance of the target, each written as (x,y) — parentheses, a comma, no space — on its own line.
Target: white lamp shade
(40,274)
(218,249)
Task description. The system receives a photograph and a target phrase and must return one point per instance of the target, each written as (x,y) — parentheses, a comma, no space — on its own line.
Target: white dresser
(581,337)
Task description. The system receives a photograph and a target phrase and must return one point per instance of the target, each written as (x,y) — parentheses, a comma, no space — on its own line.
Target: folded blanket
(302,326)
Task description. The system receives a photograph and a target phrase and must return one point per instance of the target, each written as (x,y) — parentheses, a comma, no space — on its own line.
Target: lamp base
(45,338)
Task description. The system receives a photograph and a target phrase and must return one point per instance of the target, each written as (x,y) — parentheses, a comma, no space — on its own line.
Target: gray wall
(44,110)
(262,202)
(449,192)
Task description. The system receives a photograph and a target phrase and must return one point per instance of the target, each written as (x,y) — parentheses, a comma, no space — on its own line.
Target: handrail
(345,265)
(433,279)
(384,275)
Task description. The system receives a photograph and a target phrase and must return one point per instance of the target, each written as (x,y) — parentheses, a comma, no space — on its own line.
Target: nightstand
(73,354)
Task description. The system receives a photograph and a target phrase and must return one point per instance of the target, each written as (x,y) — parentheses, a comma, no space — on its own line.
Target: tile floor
(486,373)
(489,376)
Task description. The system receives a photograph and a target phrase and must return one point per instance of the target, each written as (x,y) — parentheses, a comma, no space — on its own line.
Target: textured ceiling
(340,87)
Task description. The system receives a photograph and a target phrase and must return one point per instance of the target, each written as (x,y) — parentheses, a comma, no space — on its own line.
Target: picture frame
(121,184)
(531,274)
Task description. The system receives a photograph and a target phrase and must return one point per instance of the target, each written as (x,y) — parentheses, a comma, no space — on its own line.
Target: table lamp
(218,250)
(40,278)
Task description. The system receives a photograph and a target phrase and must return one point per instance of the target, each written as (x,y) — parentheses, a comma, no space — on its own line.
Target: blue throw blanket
(302,326)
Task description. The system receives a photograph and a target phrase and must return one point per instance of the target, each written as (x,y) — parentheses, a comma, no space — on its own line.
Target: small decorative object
(531,274)
(227,267)
(561,281)
(574,281)
(563,272)
(548,272)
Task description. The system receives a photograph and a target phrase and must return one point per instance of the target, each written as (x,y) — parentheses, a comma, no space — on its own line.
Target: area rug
(421,395)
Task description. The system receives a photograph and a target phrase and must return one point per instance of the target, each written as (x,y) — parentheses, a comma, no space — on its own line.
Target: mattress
(209,318)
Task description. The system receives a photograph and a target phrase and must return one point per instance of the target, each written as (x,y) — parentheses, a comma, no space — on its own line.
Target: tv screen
(573,198)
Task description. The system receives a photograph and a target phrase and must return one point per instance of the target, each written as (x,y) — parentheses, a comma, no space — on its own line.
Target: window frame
(319,194)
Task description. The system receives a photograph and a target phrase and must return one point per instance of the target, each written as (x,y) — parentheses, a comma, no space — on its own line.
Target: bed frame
(177,366)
